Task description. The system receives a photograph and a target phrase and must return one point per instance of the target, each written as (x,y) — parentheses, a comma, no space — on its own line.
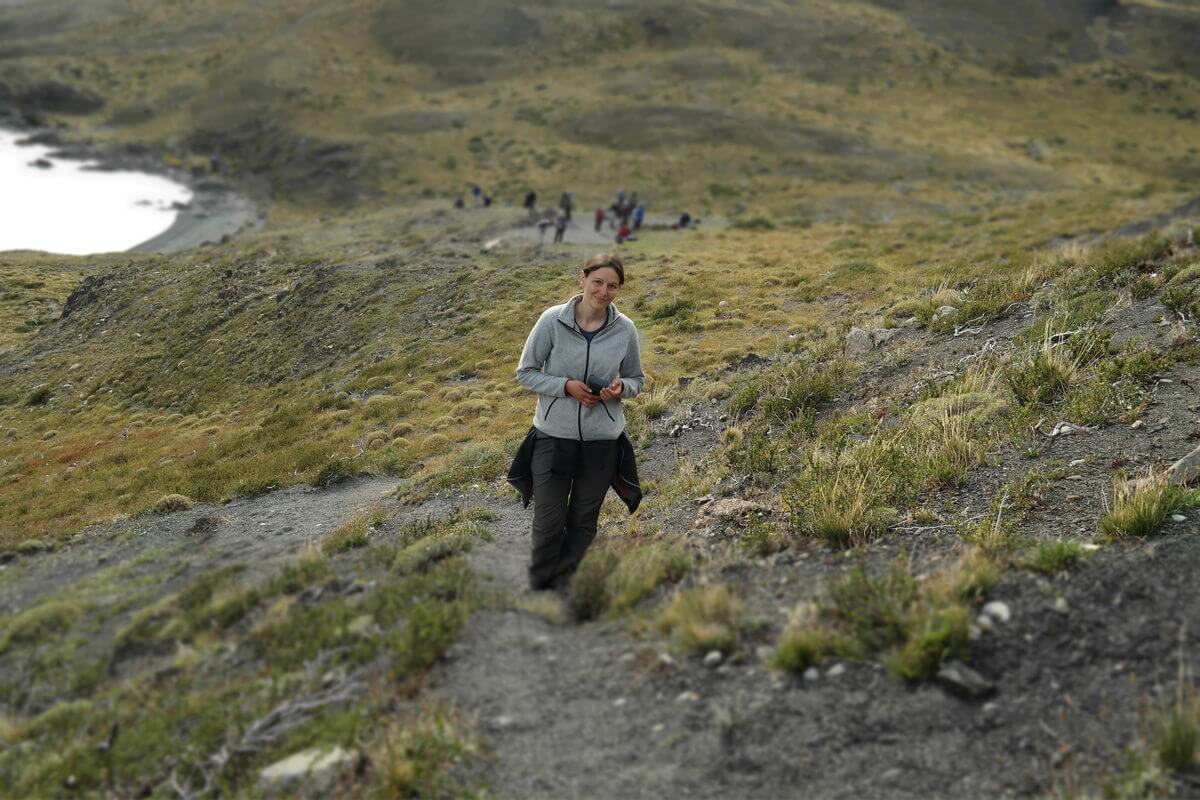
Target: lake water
(72,209)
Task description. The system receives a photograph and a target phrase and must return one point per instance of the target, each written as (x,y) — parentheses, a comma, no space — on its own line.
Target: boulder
(858,342)
(944,311)
(310,773)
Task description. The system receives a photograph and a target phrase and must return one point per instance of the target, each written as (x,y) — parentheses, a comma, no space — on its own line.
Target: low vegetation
(916,623)
(318,647)
(615,579)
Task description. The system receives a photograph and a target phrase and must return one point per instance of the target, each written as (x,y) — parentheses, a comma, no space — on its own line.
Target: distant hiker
(530,202)
(639,214)
(599,218)
(565,202)
(476,193)
(542,225)
(624,234)
(458,202)
(582,358)
(685,219)
(560,227)
(487,200)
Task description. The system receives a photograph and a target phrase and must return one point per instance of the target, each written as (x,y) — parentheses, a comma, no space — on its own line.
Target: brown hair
(610,260)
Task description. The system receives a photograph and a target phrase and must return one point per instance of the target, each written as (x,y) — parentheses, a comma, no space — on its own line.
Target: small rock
(984,622)
(835,671)
(714,658)
(665,660)
(1073,478)
(944,311)
(1138,423)
(858,342)
(687,697)
(502,722)
(1079,462)
(620,701)
(812,674)
(676,431)
(957,678)
(658,728)
(998,611)
(1178,518)
(1060,605)
(309,773)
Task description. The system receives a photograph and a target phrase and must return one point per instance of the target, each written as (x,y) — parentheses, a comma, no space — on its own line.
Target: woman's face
(600,286)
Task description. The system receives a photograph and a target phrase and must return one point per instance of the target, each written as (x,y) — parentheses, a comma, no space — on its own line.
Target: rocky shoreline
(219,210)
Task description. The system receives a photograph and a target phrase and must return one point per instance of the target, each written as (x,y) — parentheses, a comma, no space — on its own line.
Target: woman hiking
(582,358)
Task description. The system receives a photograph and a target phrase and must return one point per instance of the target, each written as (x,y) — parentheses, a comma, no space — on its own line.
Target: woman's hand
(613,390)
(580,391)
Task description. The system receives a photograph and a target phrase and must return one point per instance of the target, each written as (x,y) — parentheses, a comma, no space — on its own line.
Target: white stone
(687,697)
(835,670)
(1178,518)
(984,622)
(812,674)
(620,701)
(858,342)
(310,772)
(713,658)
(998,611)
(944,311)
(1138,423)
(1060,605)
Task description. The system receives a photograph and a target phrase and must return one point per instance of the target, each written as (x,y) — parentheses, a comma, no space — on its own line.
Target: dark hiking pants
(566,503)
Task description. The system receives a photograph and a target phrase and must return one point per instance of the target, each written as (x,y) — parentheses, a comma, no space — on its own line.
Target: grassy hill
(854,163)
(851,149)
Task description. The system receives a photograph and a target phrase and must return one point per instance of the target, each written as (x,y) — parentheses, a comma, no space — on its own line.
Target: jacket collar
(567,315)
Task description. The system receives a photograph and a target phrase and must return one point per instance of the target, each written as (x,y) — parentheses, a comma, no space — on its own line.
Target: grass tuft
(171,503)
(703,618)
(1052,558)
(1140,509)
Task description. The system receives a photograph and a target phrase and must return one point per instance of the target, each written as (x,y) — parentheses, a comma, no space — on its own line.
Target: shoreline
(218,211)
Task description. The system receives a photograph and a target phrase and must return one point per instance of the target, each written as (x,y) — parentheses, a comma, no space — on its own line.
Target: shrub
(172,502)
(39,396)
(1045,378)
(589,596)
(674,307)
(352,533)
(1139,510)
(1181,299)
(804,645)
(804,388)
(754,224)
(1050,558)
(335,470)
(703,618)
(39,622)
(641,570)
(917,623)
(1177,728)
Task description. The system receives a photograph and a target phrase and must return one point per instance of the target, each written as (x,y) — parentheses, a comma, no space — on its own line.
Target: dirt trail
(260,533)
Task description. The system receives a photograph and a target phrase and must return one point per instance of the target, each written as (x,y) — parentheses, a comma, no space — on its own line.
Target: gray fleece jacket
(556,352)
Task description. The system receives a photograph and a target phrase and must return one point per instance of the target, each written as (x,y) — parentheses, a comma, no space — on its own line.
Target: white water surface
(75,210)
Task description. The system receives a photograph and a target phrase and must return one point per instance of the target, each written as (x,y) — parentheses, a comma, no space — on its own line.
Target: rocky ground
(1070,664)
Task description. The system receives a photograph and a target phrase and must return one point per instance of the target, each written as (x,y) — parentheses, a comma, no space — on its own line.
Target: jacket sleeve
(533,358)
(630,372)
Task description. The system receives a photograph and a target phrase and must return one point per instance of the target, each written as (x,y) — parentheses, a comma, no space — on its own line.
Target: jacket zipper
(587,362)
